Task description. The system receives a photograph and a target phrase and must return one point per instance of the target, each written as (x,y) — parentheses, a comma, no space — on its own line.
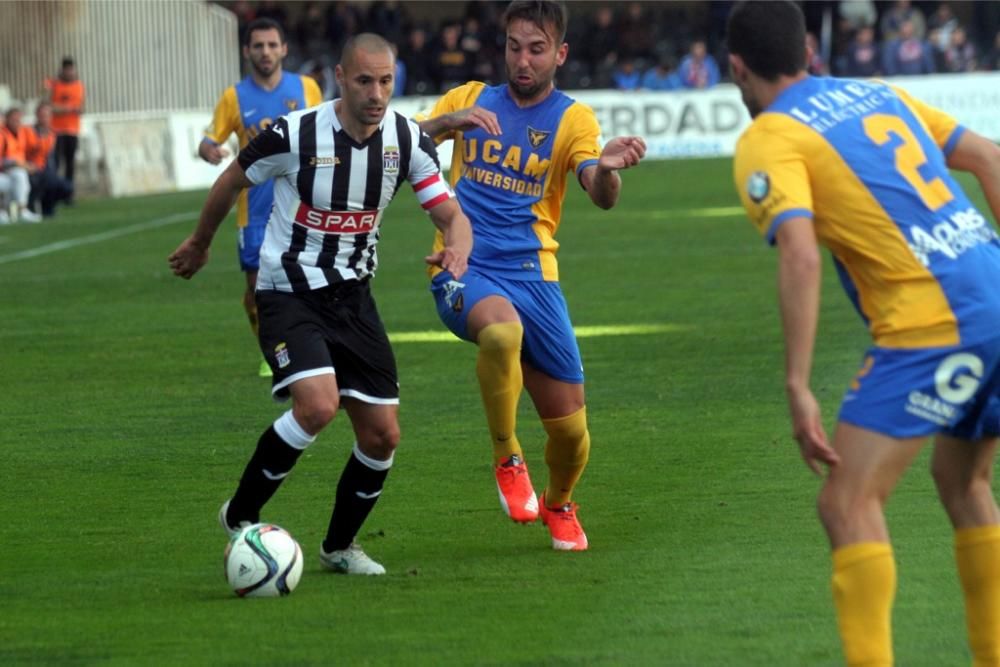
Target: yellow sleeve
(942,127)
(462,97)
(226,119)
(312,92)
(771,175)
(584,137)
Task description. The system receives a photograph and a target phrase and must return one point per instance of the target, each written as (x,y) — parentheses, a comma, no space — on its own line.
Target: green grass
(130,404)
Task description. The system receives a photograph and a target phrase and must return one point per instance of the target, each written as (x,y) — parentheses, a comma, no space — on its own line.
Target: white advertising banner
(159,153)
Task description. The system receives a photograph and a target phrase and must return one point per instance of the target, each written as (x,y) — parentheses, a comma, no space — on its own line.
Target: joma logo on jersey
(336,222)
(315,161)
(492,151)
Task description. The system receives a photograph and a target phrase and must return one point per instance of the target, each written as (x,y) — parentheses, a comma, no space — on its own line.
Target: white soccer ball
(263,561)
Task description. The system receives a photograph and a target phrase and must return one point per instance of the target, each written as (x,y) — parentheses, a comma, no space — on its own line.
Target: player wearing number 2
(862,168)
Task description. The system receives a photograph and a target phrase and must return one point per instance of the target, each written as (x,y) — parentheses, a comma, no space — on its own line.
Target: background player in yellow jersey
(248,108)
(862,168)
(514,145)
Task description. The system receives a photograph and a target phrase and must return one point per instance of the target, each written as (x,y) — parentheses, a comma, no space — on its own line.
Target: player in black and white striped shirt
(335,167)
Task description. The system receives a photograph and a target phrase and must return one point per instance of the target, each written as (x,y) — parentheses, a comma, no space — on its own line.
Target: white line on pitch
(442,336)
(97,238)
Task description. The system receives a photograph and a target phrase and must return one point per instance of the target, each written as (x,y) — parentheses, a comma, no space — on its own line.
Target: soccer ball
(263,561)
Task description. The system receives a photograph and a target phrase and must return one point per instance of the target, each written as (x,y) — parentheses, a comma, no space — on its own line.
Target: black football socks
(357,492)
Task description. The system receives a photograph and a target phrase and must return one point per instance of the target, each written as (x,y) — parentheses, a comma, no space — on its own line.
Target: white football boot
(352,560)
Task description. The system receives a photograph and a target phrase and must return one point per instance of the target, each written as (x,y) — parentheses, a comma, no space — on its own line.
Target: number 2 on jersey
(910,158)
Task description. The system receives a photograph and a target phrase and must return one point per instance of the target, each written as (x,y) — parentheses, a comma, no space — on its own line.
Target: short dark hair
(68,62)
(541,13)
(263,23)
(770,37)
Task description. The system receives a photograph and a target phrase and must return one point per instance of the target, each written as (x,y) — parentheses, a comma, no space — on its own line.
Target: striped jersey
(330,193)
(247,109)
(867,163)
(512,186)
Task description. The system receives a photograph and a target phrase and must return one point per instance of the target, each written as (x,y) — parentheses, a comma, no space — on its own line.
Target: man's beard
(261,71)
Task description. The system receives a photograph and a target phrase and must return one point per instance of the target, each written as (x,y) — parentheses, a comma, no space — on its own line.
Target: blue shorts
(549,343)
(248,245)
(910,393)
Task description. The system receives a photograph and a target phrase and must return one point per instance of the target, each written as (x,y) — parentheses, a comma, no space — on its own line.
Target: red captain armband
(432,191)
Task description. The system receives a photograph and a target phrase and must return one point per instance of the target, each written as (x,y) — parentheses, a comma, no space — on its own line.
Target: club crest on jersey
(758,186)
(537,137)
(390,159)
(281,354)
(291,104)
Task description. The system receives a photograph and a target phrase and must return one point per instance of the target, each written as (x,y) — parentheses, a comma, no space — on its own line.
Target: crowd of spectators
(623,45)
(31,182)
(657,45)
(904,41)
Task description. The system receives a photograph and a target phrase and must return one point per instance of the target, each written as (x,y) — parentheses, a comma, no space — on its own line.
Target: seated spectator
(626,76)
(635,33)
(992,60)
(943,21)
(902,10)
(47,187)
(416,56)
(698,69)
(960,56)
(15,164)
(907,55)
(452,65)
(816,65)
(600,47)
(661,77)
(862,57)
(856,14)
(6,182)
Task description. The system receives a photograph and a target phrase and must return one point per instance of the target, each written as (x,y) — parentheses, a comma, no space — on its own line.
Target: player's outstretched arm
(979,156)
(454,225)
(602,182)
(441,127)
(799,276)
(192,253)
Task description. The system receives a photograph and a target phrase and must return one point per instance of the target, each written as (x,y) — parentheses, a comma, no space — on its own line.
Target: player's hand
(450,260)
(188,258)
(622,153)
(807,429)
(212,153)
(473,117)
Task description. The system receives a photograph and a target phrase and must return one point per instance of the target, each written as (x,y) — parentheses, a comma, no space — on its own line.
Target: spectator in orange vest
(47,186)
(6,182)
(66,93)
(16,166)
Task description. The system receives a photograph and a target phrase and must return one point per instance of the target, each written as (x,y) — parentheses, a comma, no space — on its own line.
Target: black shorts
(332,330)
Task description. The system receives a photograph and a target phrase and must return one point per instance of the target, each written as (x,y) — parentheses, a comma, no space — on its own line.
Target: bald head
(367,43)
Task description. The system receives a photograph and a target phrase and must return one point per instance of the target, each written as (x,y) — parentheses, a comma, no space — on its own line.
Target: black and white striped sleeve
(269,154)
(425,174)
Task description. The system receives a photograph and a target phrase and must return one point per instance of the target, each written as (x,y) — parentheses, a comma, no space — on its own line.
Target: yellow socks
(864,585)
(498,368)
(977,552)
(566,454)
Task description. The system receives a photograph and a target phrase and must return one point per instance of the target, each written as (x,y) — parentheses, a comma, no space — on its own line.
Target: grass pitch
(131,402)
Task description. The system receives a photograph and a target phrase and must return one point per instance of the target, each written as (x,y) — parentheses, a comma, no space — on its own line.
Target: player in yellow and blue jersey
(514,146)
(862,168)
(248,108)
